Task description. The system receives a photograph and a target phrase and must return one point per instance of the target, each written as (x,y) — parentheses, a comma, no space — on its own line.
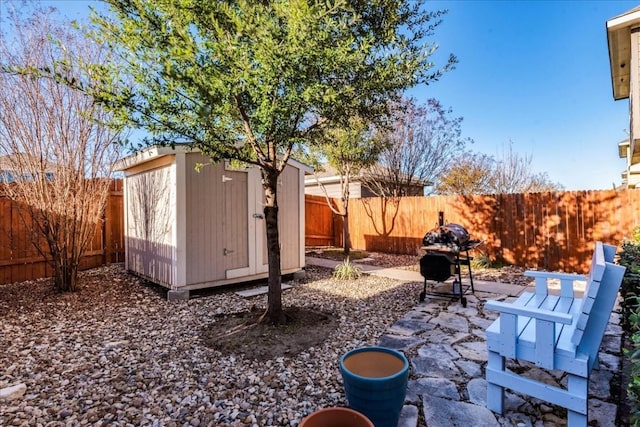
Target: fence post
(106,230)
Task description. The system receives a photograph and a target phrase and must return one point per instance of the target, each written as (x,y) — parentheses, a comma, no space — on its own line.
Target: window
(6,176)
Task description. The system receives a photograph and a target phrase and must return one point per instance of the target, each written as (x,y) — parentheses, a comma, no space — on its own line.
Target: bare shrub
(55,153)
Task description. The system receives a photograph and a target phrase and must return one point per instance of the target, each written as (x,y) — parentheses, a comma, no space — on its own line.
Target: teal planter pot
(375,382)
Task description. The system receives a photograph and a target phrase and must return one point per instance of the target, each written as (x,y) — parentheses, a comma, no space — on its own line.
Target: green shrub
(633,355)
(630,288)
(630,303)
(347,271)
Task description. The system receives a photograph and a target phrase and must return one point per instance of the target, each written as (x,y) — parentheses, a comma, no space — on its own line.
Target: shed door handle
(258,216)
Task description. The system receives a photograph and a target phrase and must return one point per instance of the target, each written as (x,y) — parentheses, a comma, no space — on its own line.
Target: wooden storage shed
(191,224)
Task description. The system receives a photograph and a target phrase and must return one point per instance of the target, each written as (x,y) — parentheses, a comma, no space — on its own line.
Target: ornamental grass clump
(481,261)
(347,271)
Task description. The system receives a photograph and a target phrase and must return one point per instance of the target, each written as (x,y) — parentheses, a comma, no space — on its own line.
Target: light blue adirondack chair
(554,332)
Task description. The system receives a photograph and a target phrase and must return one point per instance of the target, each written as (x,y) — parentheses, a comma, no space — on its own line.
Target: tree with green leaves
(348,151)
(251,80)
(469,173)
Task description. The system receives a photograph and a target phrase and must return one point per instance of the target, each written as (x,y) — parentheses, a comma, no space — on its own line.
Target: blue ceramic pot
(375,382)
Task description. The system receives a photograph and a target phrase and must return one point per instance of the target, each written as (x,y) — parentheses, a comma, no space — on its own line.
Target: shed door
(244,225)
(235,220)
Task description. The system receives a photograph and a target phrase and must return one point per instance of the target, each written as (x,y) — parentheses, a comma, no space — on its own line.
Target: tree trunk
(274,313)
(345,219)
(65,274)
(345,234)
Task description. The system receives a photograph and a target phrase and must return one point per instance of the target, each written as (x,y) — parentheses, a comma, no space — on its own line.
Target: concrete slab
(415,276)
(394,273)
(508,289)
(321,262)
(177,295)
(258,291)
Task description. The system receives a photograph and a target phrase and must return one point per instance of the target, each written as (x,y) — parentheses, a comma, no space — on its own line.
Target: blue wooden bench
(554,332)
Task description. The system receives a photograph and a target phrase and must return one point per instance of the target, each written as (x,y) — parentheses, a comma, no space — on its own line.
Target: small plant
(481,261)
(347,271)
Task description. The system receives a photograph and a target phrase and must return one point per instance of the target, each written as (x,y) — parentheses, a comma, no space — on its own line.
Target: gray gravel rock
(119,353)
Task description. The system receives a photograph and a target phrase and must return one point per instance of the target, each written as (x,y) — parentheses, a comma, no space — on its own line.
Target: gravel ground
(505,274)
(118,353)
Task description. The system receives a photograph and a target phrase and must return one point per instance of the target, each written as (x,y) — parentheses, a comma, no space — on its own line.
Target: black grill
(447,249)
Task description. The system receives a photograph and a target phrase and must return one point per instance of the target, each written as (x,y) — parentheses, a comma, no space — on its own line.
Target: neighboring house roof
(619,40)
(8,172)
(327,174)
(330,175)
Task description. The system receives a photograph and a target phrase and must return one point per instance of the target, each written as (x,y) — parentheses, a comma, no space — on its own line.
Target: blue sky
(536,73)
(532,72)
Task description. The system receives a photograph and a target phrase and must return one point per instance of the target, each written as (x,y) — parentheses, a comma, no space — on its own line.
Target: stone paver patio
(445,344)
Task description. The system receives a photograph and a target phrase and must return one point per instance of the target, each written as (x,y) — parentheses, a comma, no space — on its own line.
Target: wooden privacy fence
(19,259)
(552,231)
(320,222)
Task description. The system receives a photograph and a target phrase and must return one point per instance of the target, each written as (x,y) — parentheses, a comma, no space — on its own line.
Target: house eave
(619,42)
(623,149)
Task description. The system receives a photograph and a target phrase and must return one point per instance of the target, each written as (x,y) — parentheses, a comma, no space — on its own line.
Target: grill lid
(452,235)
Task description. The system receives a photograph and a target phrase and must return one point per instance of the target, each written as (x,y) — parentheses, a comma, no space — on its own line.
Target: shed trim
(180,230)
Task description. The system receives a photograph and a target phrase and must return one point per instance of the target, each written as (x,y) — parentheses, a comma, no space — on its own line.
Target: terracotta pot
(375,382)
(336,417)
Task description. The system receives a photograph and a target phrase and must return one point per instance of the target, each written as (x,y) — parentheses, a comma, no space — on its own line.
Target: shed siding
(289,218)
(150,221)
